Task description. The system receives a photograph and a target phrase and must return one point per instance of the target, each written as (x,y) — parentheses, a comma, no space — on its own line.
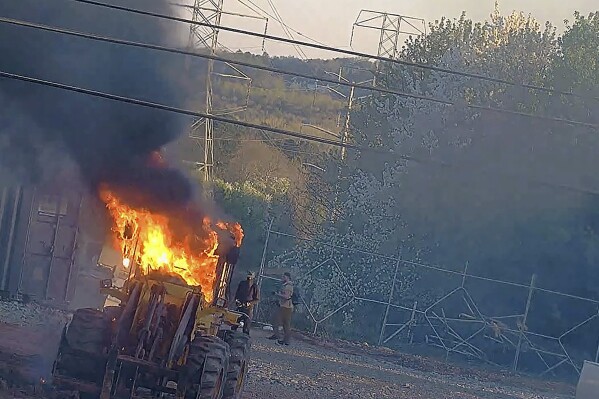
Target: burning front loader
(165,337)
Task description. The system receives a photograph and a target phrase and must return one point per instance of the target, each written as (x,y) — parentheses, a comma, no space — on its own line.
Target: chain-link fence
(400,302)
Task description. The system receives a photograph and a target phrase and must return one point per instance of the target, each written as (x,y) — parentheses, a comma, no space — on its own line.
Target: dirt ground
(317,369)
(26,357)
(307,369)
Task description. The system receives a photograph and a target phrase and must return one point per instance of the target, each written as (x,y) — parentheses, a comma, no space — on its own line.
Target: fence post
(531,289)
(381,336)
(597,354)
(464,274)
(412,322)
(263,262)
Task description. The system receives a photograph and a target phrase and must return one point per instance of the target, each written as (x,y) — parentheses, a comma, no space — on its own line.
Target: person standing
(285,311)
(246,297)
(231,257)
(228,255)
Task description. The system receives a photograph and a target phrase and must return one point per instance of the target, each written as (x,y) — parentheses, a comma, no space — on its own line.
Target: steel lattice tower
(389,39)
(208,12)
(391,28)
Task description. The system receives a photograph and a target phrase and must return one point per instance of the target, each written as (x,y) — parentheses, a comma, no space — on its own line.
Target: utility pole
(208,12)
(345,132)
(351,97)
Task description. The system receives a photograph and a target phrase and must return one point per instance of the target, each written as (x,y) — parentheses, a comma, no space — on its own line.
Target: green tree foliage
(278,100)
(284,184)
(491,206)
(577,68)
(253,208)
(578,64)
(472,192)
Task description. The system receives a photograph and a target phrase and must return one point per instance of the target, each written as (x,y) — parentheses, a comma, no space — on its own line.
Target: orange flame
(149,238)
(234,229)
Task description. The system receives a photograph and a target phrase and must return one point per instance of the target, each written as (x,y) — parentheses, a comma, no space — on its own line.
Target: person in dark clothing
(232,258)
(228,255)
(246,297)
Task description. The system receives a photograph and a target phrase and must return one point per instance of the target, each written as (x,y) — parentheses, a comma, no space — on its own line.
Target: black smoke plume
(110,142)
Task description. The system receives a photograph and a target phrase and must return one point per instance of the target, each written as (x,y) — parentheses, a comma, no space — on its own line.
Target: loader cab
(112,260)
(228,253)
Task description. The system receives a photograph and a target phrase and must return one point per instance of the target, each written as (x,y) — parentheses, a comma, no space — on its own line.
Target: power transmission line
(241,139)
(283,132)
(182,111)
(280,71)
(341,51)
(281,22)
(287,31)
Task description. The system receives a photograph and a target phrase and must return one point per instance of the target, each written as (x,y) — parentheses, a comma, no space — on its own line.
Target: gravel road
(306,371)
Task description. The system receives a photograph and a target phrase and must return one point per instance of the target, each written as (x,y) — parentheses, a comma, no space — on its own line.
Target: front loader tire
(81,352)
(206,368)
(239,344)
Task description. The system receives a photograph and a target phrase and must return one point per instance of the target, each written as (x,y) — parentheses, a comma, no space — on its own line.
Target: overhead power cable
(182,111)
(290,73)
(337,50)
(281,22)
(287,31)
(282,132)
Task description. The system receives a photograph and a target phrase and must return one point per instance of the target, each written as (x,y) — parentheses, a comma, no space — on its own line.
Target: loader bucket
(588,384)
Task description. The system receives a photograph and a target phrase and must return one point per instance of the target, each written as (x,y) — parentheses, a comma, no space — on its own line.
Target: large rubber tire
(206,368)
(88,332)
(239,345)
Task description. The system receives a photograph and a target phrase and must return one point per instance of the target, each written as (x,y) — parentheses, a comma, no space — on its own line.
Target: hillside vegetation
(516,195)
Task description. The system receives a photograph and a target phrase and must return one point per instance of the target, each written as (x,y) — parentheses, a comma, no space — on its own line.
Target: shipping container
(43,249)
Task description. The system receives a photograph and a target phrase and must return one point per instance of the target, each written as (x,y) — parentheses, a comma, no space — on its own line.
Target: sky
(330,21)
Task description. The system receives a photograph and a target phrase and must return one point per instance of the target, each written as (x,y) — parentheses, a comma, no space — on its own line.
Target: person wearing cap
(285,311)
(246,297)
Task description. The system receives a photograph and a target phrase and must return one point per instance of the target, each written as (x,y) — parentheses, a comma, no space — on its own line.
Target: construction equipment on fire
(166,336)
(588,384)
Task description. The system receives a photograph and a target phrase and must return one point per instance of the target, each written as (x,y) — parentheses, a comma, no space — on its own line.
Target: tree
(578,66)
(282,180)
(474,187)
